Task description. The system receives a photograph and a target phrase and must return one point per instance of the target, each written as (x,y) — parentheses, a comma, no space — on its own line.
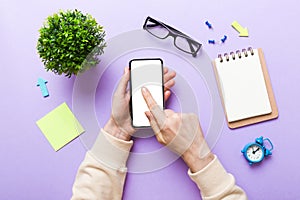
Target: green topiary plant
(70,42)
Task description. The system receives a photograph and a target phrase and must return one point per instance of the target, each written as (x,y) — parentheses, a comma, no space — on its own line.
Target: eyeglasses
(181,41)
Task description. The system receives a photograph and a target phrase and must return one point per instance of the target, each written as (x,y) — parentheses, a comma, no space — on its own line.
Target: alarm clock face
(254,153)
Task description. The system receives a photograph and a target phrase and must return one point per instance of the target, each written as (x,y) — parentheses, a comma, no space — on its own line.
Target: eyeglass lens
(185,44)
(157,30)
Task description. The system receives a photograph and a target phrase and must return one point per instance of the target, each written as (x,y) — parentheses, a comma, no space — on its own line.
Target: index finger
(148,98)
(154,108)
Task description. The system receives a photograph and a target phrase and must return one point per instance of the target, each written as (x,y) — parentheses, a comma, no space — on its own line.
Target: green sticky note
(60,126)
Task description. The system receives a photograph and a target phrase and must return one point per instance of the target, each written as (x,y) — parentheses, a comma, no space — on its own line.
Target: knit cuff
(111,151)
(212,179)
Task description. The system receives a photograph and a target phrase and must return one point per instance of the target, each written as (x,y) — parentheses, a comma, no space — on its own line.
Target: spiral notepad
(245,87)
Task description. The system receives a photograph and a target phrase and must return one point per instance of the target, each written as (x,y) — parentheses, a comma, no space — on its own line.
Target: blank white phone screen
(149,74)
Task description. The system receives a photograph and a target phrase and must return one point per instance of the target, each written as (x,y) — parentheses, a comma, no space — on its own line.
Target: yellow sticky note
(60,126)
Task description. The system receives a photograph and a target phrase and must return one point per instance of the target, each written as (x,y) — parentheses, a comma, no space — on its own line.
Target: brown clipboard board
(257,119)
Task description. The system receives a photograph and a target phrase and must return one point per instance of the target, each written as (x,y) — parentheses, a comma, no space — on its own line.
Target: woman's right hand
(180,132)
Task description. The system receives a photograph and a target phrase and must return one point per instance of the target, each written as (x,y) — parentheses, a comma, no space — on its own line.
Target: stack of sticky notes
(60,126)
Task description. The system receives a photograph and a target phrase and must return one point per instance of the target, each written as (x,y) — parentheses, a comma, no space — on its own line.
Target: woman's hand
(180,132)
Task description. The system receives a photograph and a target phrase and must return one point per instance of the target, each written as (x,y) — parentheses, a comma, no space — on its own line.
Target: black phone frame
(163,89)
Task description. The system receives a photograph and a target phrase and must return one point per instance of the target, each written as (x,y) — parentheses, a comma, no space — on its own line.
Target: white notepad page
(243,87)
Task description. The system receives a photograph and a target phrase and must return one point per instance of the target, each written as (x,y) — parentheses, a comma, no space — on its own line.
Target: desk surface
(31,169)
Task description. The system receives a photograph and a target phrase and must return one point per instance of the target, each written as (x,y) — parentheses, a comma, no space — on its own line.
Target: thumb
(122,86)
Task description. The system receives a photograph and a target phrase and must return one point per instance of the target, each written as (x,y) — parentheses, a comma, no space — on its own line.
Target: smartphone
(145,73)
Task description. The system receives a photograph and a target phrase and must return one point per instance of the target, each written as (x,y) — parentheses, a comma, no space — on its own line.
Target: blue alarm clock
(255,152)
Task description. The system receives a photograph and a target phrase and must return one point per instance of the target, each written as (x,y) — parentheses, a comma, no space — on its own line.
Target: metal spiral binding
(239,54)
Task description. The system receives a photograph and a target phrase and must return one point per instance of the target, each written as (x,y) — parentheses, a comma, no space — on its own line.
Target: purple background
(31,169)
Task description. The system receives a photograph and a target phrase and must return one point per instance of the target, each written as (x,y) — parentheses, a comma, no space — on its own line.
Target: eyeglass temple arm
(152,25)
(191,46)
(173,29)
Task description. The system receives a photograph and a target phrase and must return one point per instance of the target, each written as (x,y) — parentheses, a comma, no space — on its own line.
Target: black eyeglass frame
(174,33)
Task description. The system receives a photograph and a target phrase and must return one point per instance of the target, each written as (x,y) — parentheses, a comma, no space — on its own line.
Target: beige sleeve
(215,183)
(102,173)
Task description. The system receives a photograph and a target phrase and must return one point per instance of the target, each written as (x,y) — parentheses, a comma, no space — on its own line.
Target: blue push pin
(224,39)
(211,41)
(208,24)
(42,84)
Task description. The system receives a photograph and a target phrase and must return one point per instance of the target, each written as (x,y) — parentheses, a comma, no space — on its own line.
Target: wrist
(112,128)
(195,161)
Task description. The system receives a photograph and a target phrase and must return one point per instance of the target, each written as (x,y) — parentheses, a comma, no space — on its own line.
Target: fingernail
(125,70)
(168,92)
(144,90)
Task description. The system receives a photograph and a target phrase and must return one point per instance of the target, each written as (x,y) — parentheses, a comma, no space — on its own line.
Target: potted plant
(70,42)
